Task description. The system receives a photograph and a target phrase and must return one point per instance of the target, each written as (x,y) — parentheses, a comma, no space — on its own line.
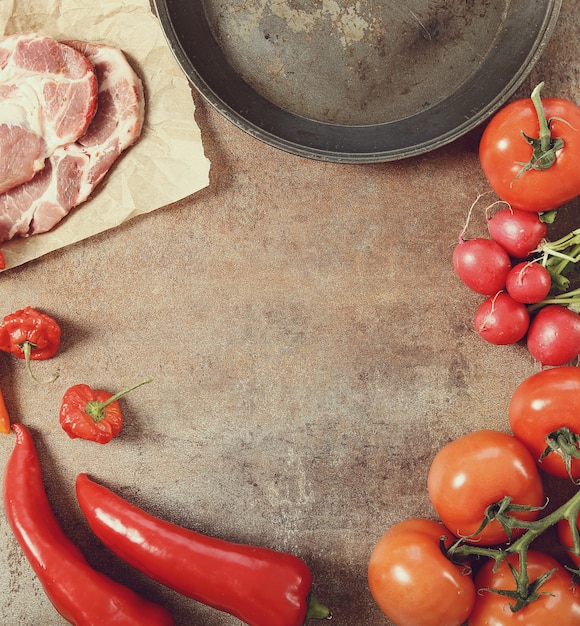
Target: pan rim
(344,143)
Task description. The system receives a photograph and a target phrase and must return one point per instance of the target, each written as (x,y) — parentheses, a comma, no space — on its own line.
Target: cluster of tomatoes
(475,566)
(515,268)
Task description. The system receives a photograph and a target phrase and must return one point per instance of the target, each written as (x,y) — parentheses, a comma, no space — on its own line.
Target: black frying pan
(362,81)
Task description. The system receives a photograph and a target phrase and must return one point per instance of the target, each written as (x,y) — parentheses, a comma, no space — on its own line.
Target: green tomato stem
(545,147)
(545,134)
(525,593)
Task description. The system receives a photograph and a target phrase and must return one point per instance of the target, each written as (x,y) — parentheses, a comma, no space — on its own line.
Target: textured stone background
(311,351)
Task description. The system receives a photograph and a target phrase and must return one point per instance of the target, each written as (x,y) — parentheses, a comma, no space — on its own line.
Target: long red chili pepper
(259,586)
(82,595)
(4,416)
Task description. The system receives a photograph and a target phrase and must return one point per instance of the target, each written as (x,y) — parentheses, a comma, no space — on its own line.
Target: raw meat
(74,170)
(48,96)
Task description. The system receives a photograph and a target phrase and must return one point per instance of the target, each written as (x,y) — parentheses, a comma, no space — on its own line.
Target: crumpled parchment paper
(168,162)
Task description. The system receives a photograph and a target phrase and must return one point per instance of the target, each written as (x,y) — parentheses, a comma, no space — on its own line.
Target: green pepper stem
(97,409)
(27,347)
(316,610)
(125,392)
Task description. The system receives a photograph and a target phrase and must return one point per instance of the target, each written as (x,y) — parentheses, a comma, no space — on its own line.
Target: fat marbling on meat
(48,96)
(74,170)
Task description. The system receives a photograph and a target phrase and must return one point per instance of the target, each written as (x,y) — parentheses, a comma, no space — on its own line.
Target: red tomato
(543,404)
(503,149)
(565,536)
(476,471)
(559,604)
(501,320)
(482,264)
(528,282)
(554,335)
(413,582)
(519,233)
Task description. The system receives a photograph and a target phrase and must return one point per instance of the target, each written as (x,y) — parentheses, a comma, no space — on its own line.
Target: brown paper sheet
(168,162)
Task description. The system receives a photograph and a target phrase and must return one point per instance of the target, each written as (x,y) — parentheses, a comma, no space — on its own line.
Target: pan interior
(355,63)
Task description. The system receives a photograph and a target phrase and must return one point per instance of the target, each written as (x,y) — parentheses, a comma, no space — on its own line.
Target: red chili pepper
(4,417)
(93,414)
(259,586)
(28,334)
(82,595)
(2,261)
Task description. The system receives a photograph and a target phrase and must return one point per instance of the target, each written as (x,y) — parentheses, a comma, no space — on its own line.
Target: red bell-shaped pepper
(30,335)
(93,414)
(259,586)
(82,595)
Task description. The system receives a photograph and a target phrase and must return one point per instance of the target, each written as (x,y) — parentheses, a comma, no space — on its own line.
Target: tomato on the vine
(476,471)
(544,414)
(558,601)
(413,582)
(524,178)
(567,540)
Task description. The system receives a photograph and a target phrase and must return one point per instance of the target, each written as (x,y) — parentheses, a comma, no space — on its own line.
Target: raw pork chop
(74,170)
(48,96)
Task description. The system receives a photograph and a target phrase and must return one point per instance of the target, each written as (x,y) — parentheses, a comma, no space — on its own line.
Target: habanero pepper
(82,595)
(30,335)
(93,414)
(260,586)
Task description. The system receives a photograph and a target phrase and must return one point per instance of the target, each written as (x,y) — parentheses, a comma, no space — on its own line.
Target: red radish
(482,264)
(518,232)
(501,320)
(528,282)
(554,335)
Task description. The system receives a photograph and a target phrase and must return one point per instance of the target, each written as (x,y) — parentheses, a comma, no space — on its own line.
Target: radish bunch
(524,280)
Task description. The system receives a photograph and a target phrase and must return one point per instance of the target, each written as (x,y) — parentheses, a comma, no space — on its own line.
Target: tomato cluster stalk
(526,591)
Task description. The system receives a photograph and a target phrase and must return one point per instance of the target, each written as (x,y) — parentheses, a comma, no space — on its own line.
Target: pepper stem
(27,347)
(316,610)
(96,409)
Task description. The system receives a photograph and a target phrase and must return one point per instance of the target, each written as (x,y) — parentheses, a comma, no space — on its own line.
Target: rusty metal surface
(364,81)
(311,350)
(362,62)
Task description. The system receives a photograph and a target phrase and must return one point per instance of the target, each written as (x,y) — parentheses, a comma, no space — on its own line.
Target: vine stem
(532,530)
